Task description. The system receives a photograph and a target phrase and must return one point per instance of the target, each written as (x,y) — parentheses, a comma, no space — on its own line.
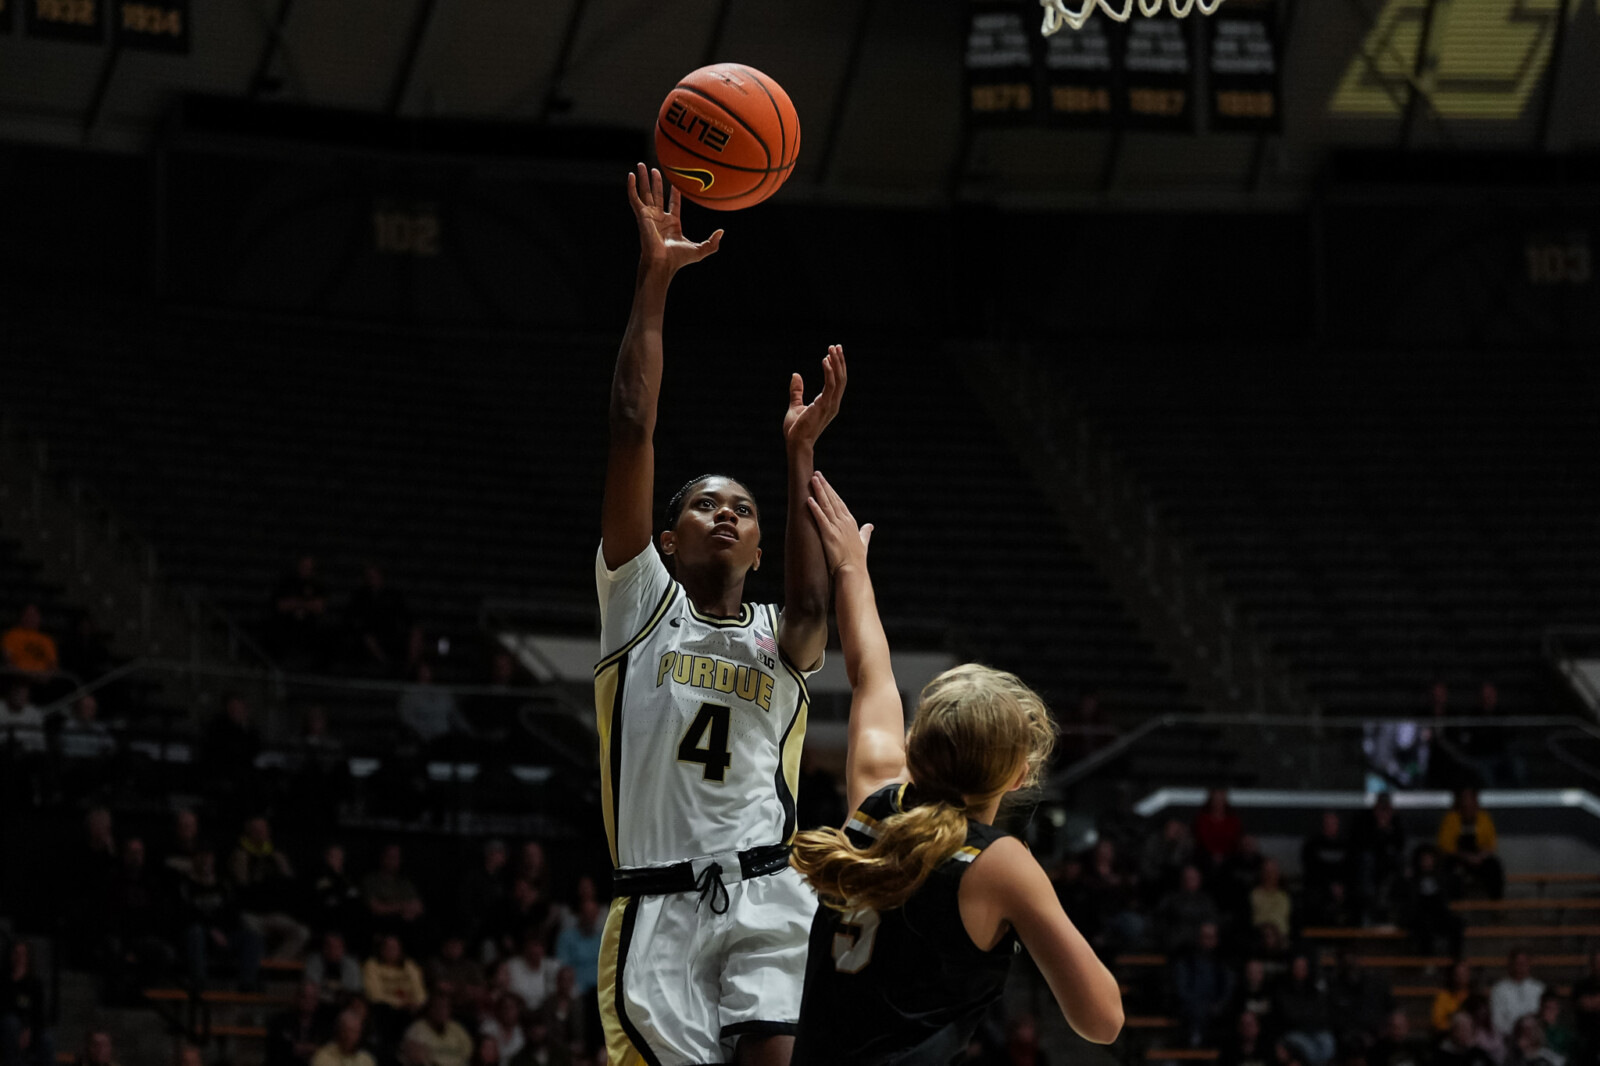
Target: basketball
(727,136)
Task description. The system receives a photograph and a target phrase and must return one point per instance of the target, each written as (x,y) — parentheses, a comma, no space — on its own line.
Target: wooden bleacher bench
(1330,933)
(1182,1054)
(1141,960)
(1138,1021)
(1397,962)
(283,966)
(1552,879)
(1569,903)
(218,995)
(1429,991)
(240,1032)
(1531,932)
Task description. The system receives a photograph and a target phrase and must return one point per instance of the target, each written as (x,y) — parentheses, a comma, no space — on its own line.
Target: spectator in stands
(1116,901)
(336,900)
(82,734)
(441,1038)
(578,945)
(1325,861)
(1163,858)
(1236,878)
(486,1051)
(25,1037)
(88,872)
(531,867)
(1483,1031)
(265,883)
(1269,903)
(299,607)
(345,1049)
(1393,1045)
(1427,897)
(178,857)
(1183,911)
(430,712)
(1586,1009)
(1379,844)
(1459,986)
(1559,1035)
(533,973)
(28,649)
(1255,994)
(525,908)
(209,917)
(97,1049)
(294,1036)
(1202,987)
(136,951)
(228,749)
(393,902)
(567,1013)
(1247,1046)
(1460,1046)
(394,986)
(21,723)
(454,968)
(1527,1045)
(505,1024)
(482,893)
(1362,1001)
(538,1048)
(1468,841)
(333,970)
(1216,830)
(1485,749)
(1303,1010)
(1516,994)
(380,621)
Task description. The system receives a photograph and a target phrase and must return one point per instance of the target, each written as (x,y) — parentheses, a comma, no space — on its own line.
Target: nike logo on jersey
(718,675)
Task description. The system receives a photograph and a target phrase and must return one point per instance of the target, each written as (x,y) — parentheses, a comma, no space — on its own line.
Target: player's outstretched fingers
(797,391)
(710,245)
(866,536)
(643,180)
(655,188)
(675,204)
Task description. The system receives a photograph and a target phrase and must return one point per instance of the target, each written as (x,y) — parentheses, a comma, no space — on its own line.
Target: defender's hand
(843,542)
(804,422)
(661,240)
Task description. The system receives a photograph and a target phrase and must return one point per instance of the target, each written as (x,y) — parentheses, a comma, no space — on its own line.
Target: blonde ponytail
(978,733)
(909,847)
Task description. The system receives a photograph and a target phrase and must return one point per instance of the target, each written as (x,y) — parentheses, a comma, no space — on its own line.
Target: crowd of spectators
(1241,977)
(499,971)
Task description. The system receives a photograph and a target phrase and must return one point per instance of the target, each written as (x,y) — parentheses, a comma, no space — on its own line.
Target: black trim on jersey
(747,615)
(788,663)
(786,797)
(651,622)
(630,915)
(760,1028)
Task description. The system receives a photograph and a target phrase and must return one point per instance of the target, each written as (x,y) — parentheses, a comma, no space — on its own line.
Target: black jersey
(905,987)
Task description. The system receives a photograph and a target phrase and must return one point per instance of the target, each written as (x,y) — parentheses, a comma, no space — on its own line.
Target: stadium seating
(1385,520)
(470,467)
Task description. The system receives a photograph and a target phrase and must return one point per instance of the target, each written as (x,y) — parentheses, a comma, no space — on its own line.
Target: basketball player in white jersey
(701,705)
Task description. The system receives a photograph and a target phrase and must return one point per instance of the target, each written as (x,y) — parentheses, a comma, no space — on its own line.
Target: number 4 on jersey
(712,724)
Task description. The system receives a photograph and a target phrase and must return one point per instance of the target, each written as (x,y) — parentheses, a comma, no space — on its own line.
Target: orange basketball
(727,136)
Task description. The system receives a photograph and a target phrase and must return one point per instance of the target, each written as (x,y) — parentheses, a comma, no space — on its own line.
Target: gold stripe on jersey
(966,854)
(608,685)
(747,615)
(619,1047)
(864,823)
(794,739)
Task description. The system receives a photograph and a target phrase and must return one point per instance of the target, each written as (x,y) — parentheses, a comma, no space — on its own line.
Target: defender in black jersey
(926,902)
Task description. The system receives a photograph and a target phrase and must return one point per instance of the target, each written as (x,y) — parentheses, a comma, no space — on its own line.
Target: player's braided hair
(679,498)
(976,728)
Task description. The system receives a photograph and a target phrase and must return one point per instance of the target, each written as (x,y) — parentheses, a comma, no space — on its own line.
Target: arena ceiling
(878,84)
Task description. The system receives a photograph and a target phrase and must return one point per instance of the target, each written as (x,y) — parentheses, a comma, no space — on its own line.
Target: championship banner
(1157,91)
(999,62)
(1246,87)
(1080,75)
(67,20)
(156,25)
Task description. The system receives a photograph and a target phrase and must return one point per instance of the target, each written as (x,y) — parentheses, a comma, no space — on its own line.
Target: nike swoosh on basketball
(704,177)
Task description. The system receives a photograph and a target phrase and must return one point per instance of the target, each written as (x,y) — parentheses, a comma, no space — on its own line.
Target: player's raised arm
(630,469)
(805,572)
(876,752)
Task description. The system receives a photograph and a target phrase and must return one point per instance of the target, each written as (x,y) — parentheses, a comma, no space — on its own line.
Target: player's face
(718,527)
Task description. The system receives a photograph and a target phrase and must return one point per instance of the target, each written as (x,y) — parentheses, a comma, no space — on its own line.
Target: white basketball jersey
(701,722)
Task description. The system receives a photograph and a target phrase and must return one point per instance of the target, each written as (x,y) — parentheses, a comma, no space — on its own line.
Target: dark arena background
(1232,379)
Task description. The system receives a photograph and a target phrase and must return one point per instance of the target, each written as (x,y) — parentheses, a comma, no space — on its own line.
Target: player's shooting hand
(661,240)
(804,422)
(843,542)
